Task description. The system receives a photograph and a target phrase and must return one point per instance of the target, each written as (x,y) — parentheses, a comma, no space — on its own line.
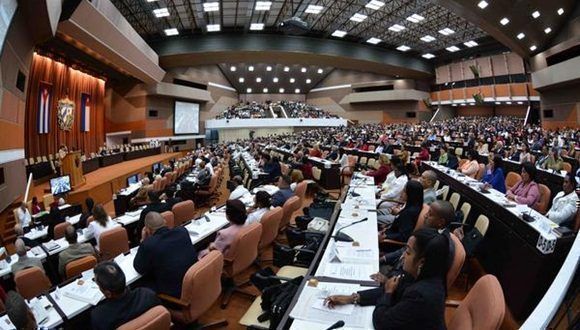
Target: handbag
(471,240)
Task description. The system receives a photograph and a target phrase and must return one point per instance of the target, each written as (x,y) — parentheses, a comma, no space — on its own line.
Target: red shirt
(380,174)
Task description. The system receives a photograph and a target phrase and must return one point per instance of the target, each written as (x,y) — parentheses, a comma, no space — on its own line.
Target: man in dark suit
(282,195)
(154,205)
(121,304)
(29,243)
(164,255)
(170,198)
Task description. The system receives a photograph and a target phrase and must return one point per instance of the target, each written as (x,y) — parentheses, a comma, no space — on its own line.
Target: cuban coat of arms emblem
(66,114)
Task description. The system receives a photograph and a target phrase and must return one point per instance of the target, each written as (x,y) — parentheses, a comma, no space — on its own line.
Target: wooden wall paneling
(487,91)
(519,89)
(515,64)
(458,93)
(502,90)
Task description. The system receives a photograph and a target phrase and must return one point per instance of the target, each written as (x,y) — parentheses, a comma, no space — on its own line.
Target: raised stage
(102,183)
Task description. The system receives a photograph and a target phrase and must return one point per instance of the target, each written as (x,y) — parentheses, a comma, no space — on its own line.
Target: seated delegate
(416,298)
(494,176)
(236,215)
(565,204)
(525,191)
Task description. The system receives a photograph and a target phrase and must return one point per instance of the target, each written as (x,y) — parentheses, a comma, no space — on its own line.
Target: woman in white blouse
(101,223)
(261,206)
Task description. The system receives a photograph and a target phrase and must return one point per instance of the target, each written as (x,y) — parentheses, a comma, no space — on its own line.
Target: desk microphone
(342,237)
(338,324)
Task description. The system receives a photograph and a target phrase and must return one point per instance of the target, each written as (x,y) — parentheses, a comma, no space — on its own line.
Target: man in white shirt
(393,185)
(565,203)
(24,216)
(240,190)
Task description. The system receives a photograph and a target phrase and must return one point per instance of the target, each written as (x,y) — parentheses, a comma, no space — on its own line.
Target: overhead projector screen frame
(179,130)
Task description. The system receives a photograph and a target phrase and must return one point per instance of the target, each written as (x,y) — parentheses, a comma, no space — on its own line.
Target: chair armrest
(173,300)
(391,242)
(452,303)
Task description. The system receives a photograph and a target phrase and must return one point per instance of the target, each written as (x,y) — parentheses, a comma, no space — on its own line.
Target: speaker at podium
(72,166)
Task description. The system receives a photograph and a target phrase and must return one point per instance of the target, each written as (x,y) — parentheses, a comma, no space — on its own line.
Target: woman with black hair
(416,298)
(495,177)
(262,204)
(526,191)
(406,217)
(236,215)
(470,167)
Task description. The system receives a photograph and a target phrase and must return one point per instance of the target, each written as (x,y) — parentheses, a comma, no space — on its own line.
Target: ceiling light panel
(375,5)
(547,30)
(213,28)
(171,32)
(428,38)
(403,48)
(504,21)
(257,26)
(470,43)
(339,33)
(452,49)
(446,31)
(483,4)
(560,11)
(263,5)
(358,17)
(521,35)
(536,14)
(396,28)
(428,56)
(374,41)
(211,6)
(313,9)
(161,12)
(415,18)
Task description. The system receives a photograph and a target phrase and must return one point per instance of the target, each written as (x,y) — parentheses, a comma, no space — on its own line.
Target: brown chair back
(422,217)
(482,308)
(183,211)
(270,223)
(300,190)
(60,229)
(31,282)
(545,194)
(169,219)
(290,206)
(201,287)
(80,265)
(244,249)
(511,179)
(156,318)
(113,242)
(458,260)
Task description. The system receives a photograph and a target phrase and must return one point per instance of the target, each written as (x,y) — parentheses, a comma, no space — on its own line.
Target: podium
(72,165)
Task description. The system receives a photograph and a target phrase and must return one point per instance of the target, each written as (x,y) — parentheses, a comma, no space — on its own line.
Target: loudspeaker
(20,81)
(411,114)
(548,113)
(153,113)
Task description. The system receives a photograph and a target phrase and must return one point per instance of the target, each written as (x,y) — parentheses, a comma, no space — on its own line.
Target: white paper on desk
(40,314)
(37,250)
(339,309)
(303,310)
(5,323)
(360,272)
(85,291)
(355,255)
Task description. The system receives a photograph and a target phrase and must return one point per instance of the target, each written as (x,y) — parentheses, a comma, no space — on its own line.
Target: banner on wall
(44,99)
(85,112)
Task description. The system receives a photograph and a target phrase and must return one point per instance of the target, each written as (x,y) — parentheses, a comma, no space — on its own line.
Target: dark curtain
(63,80)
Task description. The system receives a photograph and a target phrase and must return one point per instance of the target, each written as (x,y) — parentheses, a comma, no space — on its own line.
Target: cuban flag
(44,101)
(85,112)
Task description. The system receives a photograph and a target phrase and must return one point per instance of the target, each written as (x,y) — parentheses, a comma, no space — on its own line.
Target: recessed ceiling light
(446,31)
(533,48)
(171,32)
(374,4)
(248,90)
(415,18)
(547,30)
(482,4)
(428,56)
(308,81)
(313,9)
(258,79)
(251,68)
(472,104)
(504,21)
(265,90)
(211,6)
(213,27)
(403,48)
(303,70)
(292,80)
(396,28)
(452,49)
(358,17)
(297,91)
(281,90)
(268,68)
(521,35)
(560,11)
(320,71)
(256,26)
(508,103)
(520,103)
(286,69)
(152,0)
(161,12)
(470,43)
(263,5)
(275,79)
(497,102)
(233,68)
(241,79)
(428,38)
(373,40)
(463,104)
(536,14)
(338,33)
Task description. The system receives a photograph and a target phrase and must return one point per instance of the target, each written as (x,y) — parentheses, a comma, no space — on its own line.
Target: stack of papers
(85,291)
(51,246)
